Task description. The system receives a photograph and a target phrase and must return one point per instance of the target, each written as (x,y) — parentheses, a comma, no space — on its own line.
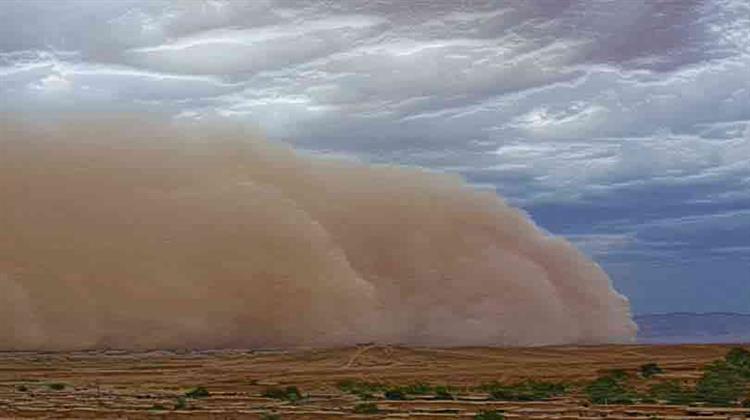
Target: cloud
(248,51)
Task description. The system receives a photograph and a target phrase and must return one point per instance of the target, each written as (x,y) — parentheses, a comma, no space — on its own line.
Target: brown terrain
(109,384)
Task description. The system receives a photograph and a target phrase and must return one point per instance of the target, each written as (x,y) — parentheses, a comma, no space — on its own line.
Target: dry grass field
(362,382)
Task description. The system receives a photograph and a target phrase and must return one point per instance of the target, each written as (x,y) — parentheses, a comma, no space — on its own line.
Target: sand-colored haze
(139,234)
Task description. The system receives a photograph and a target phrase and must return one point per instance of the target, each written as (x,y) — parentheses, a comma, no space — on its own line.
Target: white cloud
(53,83)
(233,50)
(596,245)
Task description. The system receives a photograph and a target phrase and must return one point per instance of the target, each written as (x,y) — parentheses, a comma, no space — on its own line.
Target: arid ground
(386,382)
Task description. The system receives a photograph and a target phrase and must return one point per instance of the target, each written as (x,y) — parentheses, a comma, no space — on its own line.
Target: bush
(56,386)
(394,394)
(270,416)
(671,392)
(721,384)
(198,392)
(364,390)
(290,393)
(524,391)
(609,390)
(293,393)
(739,359)
(650,369)
(417,389)
(443,393)
(489,415)
(22,388)
(618,375)
(366,408)
(181,404)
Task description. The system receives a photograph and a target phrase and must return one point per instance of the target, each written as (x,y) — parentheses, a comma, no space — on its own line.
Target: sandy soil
(149,385)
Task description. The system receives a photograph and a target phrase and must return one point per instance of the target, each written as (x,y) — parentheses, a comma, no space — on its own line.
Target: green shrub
(609,390)
(443,393)
(198,392)
(524,391)
(366,408)
(738,356)
(739,359)
(650,369)
(418,388)
(181,403)
(293,393)
(617,374)
(56,386)
(721,384)
(364,390)
(489,415)
(270,416)
(290,393)
(22,388)
(394,394)
(671,392)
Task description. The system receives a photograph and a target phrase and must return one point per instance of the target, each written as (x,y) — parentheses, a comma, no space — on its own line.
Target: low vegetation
(610,389)
(649,370)
(181,403)
(489,415)
(370,390)
(394,394)
(443,393)
(366,408)
(418,388)
(671,392)
(362,389)
(723,383)
(56,386)
(198,392)
(524,391)
(618,374)
(739,359)
(290,393)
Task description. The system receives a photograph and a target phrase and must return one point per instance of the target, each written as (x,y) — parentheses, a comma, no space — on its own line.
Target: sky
(623,126)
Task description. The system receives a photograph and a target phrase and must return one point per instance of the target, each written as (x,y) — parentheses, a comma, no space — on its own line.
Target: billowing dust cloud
(140,235)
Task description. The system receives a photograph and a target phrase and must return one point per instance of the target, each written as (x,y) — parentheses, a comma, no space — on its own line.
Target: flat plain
(368,381)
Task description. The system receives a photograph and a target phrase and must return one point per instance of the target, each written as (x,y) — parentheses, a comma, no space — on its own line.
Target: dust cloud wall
(136,233)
